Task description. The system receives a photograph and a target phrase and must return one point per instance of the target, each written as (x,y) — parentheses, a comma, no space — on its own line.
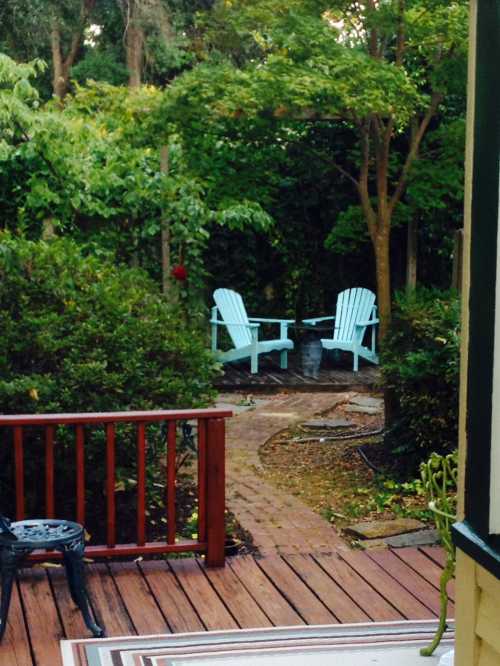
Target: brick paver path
(279,522)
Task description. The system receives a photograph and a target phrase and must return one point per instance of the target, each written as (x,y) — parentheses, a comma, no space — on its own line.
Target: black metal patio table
(19,539)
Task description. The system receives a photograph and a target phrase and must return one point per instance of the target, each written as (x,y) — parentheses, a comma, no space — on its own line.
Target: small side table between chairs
(19,539)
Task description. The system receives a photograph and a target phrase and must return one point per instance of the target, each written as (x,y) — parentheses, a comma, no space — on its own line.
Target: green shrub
(79,334)
(420,370)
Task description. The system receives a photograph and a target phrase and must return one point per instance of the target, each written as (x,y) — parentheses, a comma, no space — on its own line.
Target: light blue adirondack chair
(244,331)
(356,310)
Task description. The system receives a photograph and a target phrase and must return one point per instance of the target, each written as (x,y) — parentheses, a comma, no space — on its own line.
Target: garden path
(279,522)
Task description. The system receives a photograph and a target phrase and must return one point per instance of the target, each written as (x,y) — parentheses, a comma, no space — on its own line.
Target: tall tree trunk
(381,246)
(60,66)
(63,62)
(411,256)
(134,42)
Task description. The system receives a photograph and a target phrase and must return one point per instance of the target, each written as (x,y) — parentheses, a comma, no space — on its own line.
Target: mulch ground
(333,479)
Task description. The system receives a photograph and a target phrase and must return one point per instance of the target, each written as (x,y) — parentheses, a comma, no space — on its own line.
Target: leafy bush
(420,369)
(79,334)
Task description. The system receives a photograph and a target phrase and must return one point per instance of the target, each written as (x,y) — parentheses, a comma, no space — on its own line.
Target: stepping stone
(412,539)
(371,544)
(421,538)
(358,409)
(384,528)
(325,424)
(367,401)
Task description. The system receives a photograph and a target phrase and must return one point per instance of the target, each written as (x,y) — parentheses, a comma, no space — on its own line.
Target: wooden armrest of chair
(272,321)
(315,320)
(233,323)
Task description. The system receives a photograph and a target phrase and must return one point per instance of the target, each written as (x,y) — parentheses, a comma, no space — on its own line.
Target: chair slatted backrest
(232,309)
(353,305)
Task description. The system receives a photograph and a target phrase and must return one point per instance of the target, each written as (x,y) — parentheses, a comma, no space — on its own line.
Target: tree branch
(373,33)
(345,173)
(364,194)
(436,98)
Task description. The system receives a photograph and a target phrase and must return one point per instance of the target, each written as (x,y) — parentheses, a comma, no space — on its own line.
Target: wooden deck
(182,596)
(333,376)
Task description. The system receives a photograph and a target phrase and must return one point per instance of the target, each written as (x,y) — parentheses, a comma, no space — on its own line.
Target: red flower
(179,273)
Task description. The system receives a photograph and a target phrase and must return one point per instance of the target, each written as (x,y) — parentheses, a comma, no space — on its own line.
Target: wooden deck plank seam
(435,585)
(203,570)
(290,563)
(381,592)
(153,595)
(283,559)
(427,551)
(388,571)
(287,601)
(346,591)
(58,610)
(118,592)
(179,582)
(25,621)
(252,595)
(215,591)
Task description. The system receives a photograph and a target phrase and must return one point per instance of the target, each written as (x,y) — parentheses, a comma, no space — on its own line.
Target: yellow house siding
(467,643)
(488,656)
(477,615)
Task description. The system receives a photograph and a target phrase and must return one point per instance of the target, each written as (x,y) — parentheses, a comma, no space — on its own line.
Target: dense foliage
(78,330)
(81,334)
(379,71)
(420,366)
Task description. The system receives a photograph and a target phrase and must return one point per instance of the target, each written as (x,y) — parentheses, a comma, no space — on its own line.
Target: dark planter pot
(231,546)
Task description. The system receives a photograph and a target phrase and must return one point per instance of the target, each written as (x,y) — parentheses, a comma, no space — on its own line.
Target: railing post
(216,496)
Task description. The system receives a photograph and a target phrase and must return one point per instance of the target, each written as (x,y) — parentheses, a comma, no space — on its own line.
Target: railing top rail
(113,417)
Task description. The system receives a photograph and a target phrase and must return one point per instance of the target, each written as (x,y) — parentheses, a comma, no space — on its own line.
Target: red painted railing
(211,478)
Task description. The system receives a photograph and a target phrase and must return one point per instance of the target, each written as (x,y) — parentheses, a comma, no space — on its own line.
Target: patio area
(334,375)
(181,595)
(302,574)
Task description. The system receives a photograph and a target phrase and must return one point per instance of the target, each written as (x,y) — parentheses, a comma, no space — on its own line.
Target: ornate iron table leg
(9,561)
(75,572)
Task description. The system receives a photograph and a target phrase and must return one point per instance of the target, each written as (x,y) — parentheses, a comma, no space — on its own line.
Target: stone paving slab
(279,522)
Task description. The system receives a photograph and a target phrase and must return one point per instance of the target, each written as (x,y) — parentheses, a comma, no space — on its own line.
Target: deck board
(171,598)
(208,604)
(182,596)
(15,647)
(264,592)
(136,596)
(241,604)
(361,592)
(425,567)
(72,619)
(328,591)
(409,579)
(391,589)
(42,618)
(296,592)
(107,602)
(333,376)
